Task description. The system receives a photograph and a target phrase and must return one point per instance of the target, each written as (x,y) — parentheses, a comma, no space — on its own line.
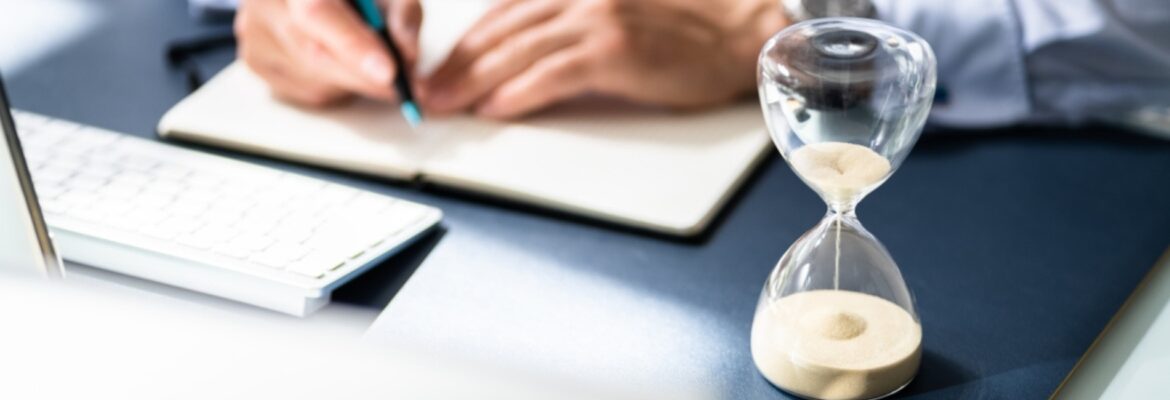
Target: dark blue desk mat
(1019,244)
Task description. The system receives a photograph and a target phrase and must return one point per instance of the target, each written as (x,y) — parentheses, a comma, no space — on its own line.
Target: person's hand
(524,55)
(317,52)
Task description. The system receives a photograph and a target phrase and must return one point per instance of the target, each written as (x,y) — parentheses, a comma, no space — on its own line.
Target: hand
(524,55)
(318,52)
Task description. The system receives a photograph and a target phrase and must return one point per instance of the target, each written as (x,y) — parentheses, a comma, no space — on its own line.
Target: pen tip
(412,114)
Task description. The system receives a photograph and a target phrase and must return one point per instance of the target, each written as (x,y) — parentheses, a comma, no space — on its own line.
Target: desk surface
(1018,245)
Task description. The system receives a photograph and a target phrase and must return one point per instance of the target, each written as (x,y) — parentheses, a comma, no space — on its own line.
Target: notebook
(663,171)
(656,170)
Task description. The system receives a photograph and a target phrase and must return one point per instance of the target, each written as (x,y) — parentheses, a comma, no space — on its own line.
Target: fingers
(505,19)
(296,64)
(459,90)
(319,65)
(405,21)
(336,27)
(268,58)
(555,78)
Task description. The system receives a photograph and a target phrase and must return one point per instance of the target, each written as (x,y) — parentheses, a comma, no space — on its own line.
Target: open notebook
(657,170)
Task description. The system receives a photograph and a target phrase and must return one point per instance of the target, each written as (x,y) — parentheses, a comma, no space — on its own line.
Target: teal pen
(373,17)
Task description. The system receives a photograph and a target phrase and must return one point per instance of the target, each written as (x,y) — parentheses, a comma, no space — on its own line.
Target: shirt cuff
(982,79)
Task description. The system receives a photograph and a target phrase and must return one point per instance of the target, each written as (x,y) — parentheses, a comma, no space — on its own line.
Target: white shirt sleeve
(1066,61)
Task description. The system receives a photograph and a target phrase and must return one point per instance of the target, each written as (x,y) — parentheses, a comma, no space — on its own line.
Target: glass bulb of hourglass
(845,100)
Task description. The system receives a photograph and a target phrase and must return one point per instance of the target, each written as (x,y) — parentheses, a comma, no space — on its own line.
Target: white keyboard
(208,223)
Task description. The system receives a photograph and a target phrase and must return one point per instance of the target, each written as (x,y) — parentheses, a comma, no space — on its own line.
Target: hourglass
(845,100)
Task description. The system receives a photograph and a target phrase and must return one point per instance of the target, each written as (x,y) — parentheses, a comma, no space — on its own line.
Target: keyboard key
(152,200)
(187,207)
(51,174)
(94,138)
(233,250)
(123,222)
(203,180)
(75,197)
(399,217)
(120,190)
(133,178)
(53,206)
(216,233)
(166,188)
(85,213)
(139,163)
(255,226)
(60,127)
(253,242)
(85,183)
(290,251)
(48,191)
(195,242)
(171,172)
(181,224)
(368,203)
(293,235)
(335,246)
(113,207)
(294,185)
(315,266)
(141,218)
(104,157)
(307,270)
(280,255)
(102,175)
(160,231)
(71,148)
(336,194)
(270,260)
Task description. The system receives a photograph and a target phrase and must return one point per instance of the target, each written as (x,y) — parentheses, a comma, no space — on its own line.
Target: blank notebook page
(664,171)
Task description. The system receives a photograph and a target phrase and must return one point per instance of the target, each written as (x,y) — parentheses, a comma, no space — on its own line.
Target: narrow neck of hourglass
(847,213)
(843,201)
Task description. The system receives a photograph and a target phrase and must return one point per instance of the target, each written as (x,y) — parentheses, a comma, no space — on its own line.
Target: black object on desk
(181,54)
(1019,245)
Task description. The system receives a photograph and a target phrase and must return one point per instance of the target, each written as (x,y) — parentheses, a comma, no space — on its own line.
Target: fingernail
(377,68)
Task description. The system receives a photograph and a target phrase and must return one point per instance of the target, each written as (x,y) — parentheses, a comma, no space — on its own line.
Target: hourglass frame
(845,100)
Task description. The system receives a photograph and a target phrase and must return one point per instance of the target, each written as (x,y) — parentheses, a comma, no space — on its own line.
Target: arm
(1010,61)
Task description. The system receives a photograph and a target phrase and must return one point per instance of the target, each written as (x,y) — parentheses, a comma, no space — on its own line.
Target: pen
(369,12)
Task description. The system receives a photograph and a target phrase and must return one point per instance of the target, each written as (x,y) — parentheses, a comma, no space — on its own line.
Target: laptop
(188,219)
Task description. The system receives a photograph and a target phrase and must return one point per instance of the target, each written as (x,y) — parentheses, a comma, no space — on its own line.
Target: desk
(1019,245)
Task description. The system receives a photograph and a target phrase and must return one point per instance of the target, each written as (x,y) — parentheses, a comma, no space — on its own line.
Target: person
(1000,61)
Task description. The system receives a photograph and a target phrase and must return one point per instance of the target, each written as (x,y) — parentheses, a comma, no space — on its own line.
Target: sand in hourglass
(835,344)
(839,171)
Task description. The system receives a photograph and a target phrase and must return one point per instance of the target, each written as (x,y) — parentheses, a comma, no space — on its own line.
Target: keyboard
(207,223)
